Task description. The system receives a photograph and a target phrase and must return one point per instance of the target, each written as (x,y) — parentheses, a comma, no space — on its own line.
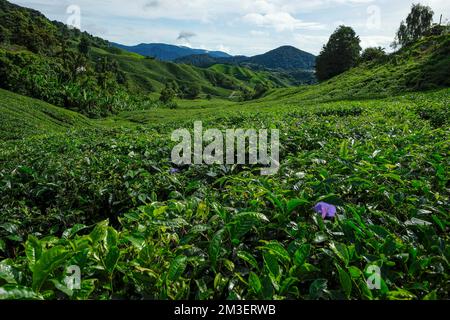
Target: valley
(87,179)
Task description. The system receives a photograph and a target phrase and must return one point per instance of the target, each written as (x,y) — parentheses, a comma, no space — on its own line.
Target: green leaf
(112,238)
(33,250)
(318,288)
(320,237)
(346,281)
(229,264)
(277,250)
(16,292)
(355,272)
(431,296)
(9,272)
(343,151)
(248,258)
(438,222)
(62,287)
(365,291)
(273,268)
(341,251)
(244,222)
(69,233)
(295,203)
(215,246)
(254,282)
(111,259)
(99,233)
(177,268)
(302,254)
(394,177)
(47,263)
(401,294)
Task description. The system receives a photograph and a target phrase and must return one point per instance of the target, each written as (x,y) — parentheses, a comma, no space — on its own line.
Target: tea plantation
(87,181)
(103,195)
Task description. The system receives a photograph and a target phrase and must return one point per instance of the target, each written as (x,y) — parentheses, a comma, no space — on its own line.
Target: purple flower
(174,170)
(325,209)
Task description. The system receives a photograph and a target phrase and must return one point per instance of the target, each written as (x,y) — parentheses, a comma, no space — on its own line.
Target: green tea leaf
(177,268)
(302,254)
(17,292)
(215,247)
(277,250)
(346,281)
(318,288)
(248,258)
(254,282)
(341,251)
(111,259)
(295,203)
(47,263)
(243,222)
(9,272)
(33,250)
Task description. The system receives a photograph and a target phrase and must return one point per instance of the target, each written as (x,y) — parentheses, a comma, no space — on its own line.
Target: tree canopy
(418,23)
(341,53)
(372,54)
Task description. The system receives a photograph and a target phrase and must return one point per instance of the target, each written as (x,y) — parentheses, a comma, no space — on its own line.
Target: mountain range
(168,52)
(292,62)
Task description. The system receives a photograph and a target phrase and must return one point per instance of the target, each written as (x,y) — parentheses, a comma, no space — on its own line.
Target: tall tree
(340,54)
(373,53)
(418,22)
(167,94)
(83,46)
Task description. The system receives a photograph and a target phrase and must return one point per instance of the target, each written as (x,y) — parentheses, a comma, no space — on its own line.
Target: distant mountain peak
(169,52)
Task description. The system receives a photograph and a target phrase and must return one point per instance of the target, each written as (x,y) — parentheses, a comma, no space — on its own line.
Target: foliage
(83,46)
(137,230)
(168,93)
(418,23)
(424,65)
(285,65)
(68,81)
(341,53)
(103,195)
(373,54)
(190,91)
(72,69)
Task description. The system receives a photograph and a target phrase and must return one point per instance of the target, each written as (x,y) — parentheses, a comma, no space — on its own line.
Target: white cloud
(376,41)
(258,33)
(244,26)
(280,21)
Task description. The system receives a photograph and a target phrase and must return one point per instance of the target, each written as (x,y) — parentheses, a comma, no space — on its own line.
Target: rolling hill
(105,195)
(149,76)
(23,117)
(424,65)
(295,64)
(30,43)
(285,58)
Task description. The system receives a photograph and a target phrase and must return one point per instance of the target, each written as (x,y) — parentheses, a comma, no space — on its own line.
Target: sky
(238,27)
